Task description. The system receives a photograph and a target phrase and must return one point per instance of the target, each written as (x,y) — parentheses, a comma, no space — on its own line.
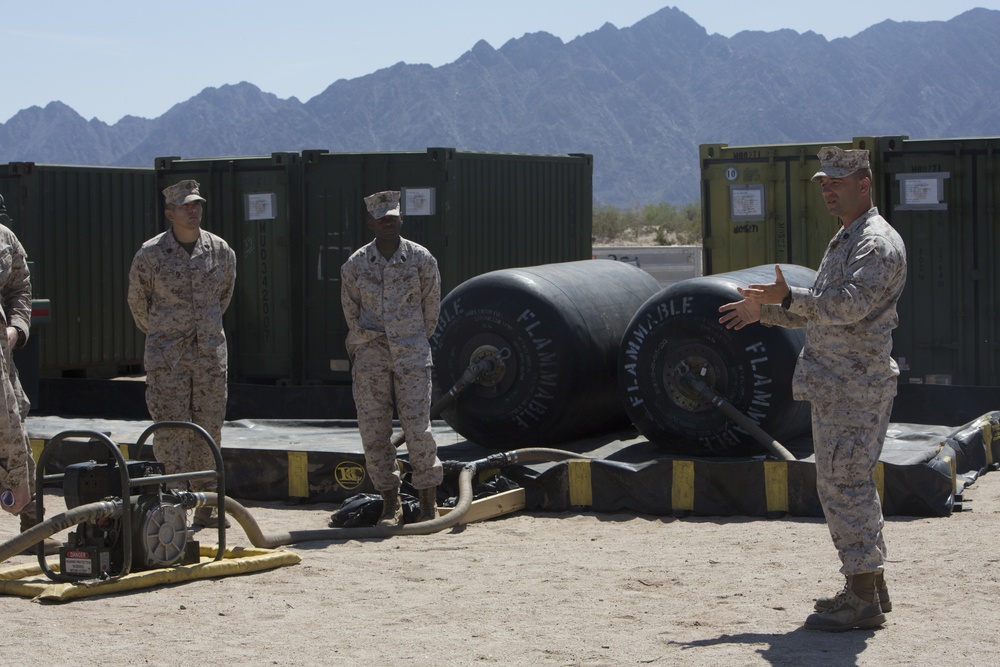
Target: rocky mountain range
(640,99)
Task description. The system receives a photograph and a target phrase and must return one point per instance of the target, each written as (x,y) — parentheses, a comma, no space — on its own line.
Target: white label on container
(920,191)
(418,201)
(747,203)
(260,206)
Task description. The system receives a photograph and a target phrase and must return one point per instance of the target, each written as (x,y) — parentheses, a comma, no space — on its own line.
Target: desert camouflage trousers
(376,388)
(24,404)
(847,444)
(191,392)
(15,454)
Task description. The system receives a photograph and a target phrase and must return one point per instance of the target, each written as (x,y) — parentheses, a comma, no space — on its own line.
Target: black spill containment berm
(923,470)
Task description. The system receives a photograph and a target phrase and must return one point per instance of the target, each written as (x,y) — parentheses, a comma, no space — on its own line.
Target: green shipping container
(942,197)
(475,212)
(760,207)
(294,219)
(255,204)
(80,227)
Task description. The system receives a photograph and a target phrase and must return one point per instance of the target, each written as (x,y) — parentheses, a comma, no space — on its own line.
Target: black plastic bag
(491,487)
(364,509)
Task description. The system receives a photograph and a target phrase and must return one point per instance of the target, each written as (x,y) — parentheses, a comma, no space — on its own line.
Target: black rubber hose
(91,512)
(737,417)
(107,509)
(259,539)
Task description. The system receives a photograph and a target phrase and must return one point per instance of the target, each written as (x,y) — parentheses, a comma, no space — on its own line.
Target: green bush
(609,224)
(668,224)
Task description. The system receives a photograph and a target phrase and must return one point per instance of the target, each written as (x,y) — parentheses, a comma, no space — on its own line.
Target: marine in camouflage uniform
(16,463)
(847,373)
(391,295)
(15,296)
(180,285)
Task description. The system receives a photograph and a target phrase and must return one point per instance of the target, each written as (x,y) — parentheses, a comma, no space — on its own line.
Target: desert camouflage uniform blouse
(395,300)
(178,300)
(849,314)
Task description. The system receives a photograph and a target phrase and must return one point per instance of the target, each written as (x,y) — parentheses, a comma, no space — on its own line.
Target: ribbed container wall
(292,219)
(481,212)
(515,211)
(333,227)
(254,203)
(81,227)
(942,197)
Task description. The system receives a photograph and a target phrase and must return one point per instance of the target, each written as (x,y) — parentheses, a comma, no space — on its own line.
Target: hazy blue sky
(108,59)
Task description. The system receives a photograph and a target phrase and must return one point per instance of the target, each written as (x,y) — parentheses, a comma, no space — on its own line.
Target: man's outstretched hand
(738,314)
(773,293)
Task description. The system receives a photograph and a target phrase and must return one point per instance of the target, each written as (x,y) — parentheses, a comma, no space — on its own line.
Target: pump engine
(160,535)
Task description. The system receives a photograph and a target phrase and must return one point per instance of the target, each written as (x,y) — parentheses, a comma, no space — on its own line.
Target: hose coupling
(500,459)
(191,500)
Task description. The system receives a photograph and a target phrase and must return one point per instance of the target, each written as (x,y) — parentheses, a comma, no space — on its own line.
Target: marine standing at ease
(391,295)
(15,301)
(16,467)
(180,285)
(847,372)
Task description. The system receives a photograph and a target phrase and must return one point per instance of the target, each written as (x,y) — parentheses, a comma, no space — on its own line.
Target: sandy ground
(544,589)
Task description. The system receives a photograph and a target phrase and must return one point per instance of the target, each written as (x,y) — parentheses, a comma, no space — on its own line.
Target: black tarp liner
(924,468)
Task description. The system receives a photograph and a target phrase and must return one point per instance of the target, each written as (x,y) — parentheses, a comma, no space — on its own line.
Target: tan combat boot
(857,606)
(428,504)
(822,604)
(392,510)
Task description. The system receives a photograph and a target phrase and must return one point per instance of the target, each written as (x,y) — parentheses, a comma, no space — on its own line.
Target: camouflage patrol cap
(183,192)
(383,203)
(835,162)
